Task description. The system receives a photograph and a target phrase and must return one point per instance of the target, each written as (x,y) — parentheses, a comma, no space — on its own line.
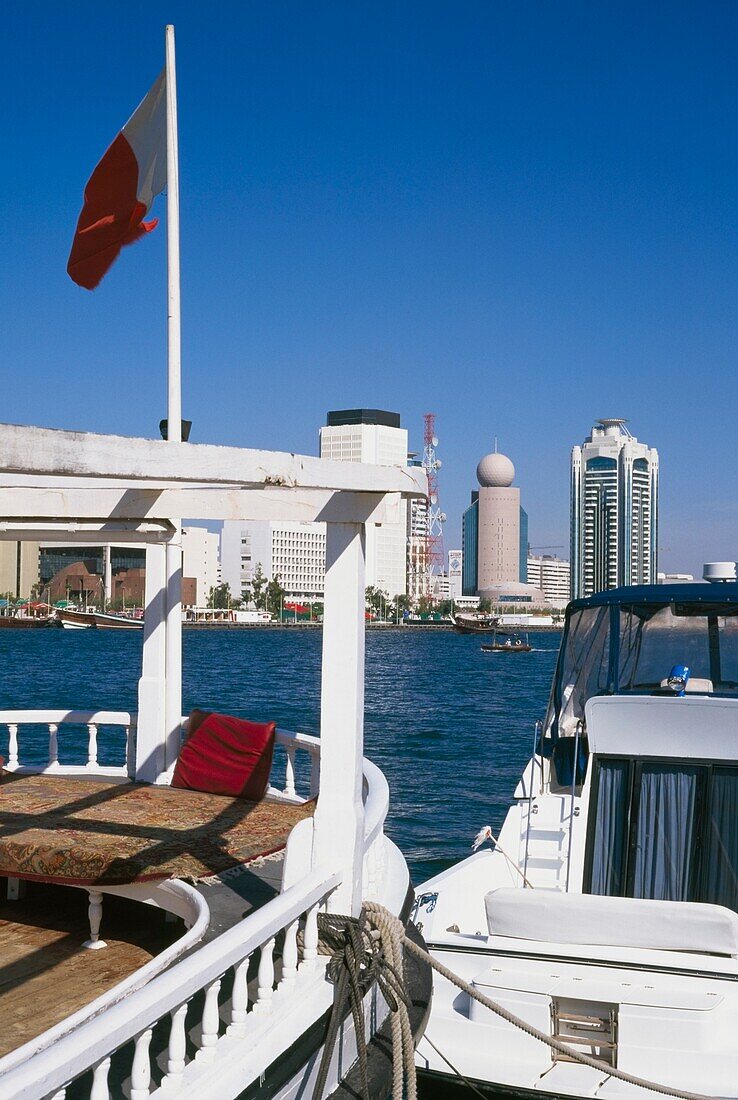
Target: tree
(485,605)
(426,605)
(220,596)
(274,596)
(258,586)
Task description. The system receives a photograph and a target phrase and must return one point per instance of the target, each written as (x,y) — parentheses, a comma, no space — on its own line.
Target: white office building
(200,559)
(552,575)
(373,436)
(293,552)
(614,510)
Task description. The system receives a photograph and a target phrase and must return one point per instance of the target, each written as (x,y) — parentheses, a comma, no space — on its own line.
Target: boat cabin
(642,724)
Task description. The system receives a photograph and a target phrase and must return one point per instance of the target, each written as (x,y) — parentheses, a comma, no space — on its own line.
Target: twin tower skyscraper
(614,510)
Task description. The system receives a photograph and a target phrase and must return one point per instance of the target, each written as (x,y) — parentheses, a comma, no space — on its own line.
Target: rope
(555,1044)
(364,951)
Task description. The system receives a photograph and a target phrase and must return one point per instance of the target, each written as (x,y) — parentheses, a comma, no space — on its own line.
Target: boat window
(664,830)
(653,641)
(728,633)
(583,668)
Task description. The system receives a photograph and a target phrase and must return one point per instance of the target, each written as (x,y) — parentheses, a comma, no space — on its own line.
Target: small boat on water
(513,643)
(604,913)
(80,620)
(475,623)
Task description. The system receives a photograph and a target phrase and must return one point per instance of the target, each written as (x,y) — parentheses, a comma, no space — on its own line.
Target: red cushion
(226,755)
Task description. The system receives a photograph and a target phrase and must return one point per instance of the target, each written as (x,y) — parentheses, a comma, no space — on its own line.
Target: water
(450,726)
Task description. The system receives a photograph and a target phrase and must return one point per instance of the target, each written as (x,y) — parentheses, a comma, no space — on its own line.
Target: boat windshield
(618,648)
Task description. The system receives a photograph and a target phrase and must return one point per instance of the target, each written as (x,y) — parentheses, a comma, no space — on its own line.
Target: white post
(339,815)
(173,635)
(151,726)
(173,662)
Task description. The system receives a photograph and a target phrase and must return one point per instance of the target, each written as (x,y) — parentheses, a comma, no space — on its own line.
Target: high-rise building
(552,575)
(374,436)
(498,540)
(614,510)
(418,574)
(292,552)
(469,539)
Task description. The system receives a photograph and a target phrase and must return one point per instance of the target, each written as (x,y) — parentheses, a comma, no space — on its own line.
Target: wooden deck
(45,974)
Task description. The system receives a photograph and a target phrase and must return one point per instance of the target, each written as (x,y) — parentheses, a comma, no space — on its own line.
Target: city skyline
(517,221)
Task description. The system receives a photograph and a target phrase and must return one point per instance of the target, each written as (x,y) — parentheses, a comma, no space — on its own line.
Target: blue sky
(520,216)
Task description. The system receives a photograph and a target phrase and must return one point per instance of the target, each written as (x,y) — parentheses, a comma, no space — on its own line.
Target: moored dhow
(597,939)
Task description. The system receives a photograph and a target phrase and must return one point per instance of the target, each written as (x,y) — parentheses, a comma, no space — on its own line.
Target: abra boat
(513,643)
(79,620)
(475,624)
(606,914)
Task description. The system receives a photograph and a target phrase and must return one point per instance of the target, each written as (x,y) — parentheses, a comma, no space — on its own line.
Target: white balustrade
(58,723)
(100,1090)
(177,1044)
(265,977)
(53,745)
(210,1026)
(290,957)
(289,787)
(12,746)
(91,745)
(240,998)
(141,1068)
(310,937)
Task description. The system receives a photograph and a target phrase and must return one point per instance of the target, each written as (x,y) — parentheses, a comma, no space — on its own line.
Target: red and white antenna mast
(434,553)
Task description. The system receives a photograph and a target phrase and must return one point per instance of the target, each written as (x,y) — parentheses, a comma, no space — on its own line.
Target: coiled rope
(370,949)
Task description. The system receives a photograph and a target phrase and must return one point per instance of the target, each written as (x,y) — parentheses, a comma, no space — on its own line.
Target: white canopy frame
(79,487)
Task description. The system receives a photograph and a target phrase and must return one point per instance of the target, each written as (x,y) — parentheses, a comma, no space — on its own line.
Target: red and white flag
(121,190)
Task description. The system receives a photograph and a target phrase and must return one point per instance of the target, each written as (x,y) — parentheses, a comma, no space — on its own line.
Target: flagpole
(174,366)
(173,637)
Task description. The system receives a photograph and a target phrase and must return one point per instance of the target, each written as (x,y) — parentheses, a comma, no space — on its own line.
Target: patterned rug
(83,831)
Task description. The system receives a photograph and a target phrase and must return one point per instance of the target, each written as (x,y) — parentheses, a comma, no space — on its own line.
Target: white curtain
(665,833)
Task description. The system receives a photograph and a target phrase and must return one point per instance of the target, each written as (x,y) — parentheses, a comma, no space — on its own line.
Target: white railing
(186,1001)
(173,896)
(252,1018)
(50,735)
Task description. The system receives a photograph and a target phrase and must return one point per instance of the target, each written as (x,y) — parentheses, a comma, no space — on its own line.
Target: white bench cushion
(550,916)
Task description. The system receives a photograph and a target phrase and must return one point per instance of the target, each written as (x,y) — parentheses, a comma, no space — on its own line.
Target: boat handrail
(91,1045)
(190,903)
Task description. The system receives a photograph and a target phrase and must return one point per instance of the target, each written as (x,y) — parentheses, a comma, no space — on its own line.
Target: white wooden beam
(53,452)
(339,815)
(79,502)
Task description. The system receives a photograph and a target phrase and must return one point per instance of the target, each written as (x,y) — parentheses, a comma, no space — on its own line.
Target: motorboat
(603,915)
(512,643)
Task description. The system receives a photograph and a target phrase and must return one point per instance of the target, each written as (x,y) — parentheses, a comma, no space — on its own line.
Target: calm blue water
(450,726)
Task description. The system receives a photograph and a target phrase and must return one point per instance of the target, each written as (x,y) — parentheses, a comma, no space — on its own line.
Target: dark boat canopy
(627,640)
(661,594)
